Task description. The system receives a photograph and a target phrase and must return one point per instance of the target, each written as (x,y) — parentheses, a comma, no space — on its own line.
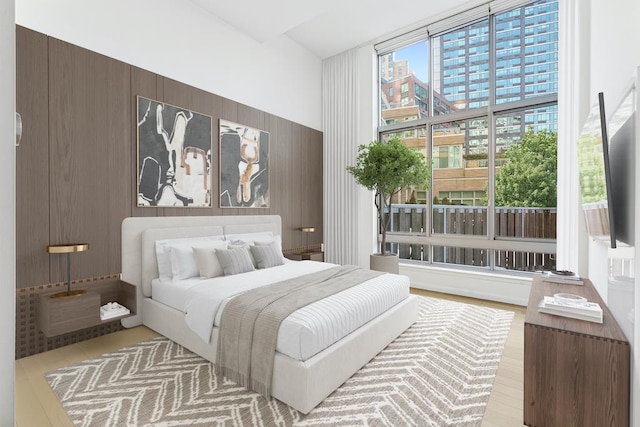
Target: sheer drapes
(341,118)
(573,106)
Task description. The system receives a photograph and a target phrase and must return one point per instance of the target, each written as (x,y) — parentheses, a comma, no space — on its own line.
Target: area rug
(437,373)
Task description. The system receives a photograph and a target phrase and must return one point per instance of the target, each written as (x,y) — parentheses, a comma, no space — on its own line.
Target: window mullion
(469,99)
(491,134)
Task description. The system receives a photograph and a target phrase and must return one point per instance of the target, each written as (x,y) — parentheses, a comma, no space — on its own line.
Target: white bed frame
(301,385)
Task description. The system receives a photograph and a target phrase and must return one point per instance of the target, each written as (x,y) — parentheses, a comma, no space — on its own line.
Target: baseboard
(482,285)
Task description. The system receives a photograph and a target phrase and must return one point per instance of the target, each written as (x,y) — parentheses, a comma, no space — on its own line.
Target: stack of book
(590,311)
(566,277)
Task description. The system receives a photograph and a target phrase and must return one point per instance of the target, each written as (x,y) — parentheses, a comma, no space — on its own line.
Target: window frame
(491,241)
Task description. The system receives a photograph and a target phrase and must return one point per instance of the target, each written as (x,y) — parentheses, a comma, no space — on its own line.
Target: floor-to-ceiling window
(477,94)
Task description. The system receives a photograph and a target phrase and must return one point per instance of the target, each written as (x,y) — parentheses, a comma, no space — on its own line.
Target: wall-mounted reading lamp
(68,249)
(306,231)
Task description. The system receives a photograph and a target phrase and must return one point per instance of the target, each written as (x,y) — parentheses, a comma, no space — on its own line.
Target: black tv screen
(622,133)
(594,173)
(606,172)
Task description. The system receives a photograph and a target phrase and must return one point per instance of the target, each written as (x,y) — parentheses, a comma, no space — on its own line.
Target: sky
(418,57)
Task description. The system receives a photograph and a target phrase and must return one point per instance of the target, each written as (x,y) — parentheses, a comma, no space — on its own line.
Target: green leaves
(530,177)
(387,167)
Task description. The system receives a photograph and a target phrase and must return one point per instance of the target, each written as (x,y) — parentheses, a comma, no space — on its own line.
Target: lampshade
(68,248)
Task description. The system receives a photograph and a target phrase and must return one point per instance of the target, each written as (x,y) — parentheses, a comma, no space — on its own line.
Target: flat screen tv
(605,168)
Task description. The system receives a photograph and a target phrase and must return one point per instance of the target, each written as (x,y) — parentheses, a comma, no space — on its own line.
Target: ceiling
(327,27)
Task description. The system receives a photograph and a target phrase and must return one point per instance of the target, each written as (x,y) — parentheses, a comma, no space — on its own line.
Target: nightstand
(56,316)
(301,256)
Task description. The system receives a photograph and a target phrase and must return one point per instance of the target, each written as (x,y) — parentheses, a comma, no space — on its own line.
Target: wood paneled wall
(76,178)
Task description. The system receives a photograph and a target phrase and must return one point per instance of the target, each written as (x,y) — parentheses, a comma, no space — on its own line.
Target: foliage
(412,200)
(386,168)
(529,178)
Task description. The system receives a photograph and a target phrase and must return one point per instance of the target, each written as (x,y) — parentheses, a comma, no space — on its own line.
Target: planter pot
(388,263)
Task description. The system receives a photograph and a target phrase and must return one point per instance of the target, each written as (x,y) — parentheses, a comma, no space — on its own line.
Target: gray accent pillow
(234,261)
(266,256)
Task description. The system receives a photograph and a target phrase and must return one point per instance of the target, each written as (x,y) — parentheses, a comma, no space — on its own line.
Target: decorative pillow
(163,256)
(235,244)
(207,261)
(261,239)
(234,261)
(277,240)
(266,256)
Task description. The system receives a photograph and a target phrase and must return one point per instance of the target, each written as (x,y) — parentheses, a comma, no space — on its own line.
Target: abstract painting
(174,156)
(244,166)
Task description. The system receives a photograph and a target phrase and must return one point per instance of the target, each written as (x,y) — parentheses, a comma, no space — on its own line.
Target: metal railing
(510,223)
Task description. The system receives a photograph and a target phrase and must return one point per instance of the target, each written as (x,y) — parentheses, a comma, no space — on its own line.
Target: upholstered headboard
(139,265)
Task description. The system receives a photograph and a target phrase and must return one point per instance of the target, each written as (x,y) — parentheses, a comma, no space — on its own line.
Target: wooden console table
(576,373)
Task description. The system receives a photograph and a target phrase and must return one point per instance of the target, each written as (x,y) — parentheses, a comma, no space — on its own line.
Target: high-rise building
(525,41)
(526,66)
(400,88)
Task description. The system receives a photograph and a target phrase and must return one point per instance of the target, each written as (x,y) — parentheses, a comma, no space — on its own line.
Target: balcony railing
(520,223)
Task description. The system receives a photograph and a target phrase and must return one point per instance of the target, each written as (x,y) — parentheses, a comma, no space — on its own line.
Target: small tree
(530,177)
(412,199)
(386,168)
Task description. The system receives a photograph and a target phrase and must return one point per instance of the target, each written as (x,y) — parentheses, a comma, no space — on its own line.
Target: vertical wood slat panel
(281,140)
(296,187)
(315,184)
(90,122)
(32,159)
(306,187)
(93,162)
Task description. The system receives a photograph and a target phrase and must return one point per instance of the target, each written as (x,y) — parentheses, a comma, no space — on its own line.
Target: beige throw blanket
(250,322)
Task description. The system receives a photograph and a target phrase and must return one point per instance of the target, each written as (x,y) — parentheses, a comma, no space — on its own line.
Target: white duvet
(305,332)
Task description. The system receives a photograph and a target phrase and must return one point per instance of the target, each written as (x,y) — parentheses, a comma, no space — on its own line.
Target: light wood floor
(507,395)
(36,405)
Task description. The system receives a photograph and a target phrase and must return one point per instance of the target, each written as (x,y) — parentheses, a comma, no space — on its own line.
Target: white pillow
(207,261)
(163,256)
(184,264)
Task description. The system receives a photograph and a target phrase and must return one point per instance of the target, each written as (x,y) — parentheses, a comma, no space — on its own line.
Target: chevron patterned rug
(437,373)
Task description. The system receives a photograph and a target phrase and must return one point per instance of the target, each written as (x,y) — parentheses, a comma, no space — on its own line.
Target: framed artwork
(244,166)
(174,156)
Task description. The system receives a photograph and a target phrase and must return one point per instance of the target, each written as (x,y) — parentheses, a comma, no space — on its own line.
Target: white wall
(7,209)
(180,40)
(615,35)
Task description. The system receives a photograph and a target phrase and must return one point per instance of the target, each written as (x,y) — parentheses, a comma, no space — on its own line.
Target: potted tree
(387,168)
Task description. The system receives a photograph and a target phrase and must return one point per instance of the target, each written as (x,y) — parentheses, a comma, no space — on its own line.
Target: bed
(303,376)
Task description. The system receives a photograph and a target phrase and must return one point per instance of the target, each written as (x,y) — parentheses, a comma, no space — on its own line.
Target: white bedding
(306,331)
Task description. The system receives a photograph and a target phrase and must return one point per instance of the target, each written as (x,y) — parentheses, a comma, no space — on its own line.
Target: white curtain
(341,121)
(573,107)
